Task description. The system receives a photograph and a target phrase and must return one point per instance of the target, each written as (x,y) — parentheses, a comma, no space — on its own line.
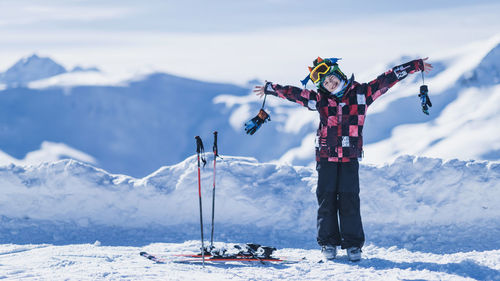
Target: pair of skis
(197,258)
(200,151)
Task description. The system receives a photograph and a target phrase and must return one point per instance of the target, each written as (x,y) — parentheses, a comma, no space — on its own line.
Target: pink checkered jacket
(340,132)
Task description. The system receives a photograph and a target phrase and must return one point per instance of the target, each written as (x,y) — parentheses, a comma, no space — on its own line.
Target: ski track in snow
(424,219)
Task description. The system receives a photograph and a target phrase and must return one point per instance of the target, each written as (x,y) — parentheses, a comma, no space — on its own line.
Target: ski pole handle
(215,143)
(199,144)
(200,150)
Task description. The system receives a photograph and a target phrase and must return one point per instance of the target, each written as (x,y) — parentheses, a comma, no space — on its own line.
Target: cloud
(277,53)
(20,13)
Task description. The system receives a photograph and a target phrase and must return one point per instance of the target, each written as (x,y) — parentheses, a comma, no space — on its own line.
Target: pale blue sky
(202,15)
(273,39)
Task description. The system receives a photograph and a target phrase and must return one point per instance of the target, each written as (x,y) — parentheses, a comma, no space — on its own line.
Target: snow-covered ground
(424,219)
(94,262)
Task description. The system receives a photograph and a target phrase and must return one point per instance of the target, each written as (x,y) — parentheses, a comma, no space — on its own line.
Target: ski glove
(254,124)
(424,99)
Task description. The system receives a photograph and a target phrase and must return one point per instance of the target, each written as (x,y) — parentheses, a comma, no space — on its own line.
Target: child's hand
(427,66)
(259,91)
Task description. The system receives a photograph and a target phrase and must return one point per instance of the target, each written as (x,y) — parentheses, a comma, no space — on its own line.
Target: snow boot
(354,254)
(329,252)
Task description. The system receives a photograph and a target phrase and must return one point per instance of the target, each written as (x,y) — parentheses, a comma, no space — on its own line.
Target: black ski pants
(338,199)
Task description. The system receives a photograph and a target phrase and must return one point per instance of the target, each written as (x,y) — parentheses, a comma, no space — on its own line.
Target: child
(341,104)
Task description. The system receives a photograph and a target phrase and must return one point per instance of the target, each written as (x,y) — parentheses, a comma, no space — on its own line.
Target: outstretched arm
(291,93)
(381,84)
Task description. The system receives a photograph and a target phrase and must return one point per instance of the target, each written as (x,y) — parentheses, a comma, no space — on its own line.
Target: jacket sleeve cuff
(269,90)
(403,70)
(419,64)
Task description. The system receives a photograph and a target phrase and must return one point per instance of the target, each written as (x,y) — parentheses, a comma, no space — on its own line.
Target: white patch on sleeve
(269,88)
(361,99)
(345,141)
(400,72)
(311,104)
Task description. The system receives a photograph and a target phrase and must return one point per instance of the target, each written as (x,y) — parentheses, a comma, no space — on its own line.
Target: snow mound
(410,203)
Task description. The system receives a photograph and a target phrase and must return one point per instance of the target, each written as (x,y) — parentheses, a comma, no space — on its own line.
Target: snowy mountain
(464,91)
(135,123)
(128,124)
(487,72)
(463,118)
(30,69)
(424,218)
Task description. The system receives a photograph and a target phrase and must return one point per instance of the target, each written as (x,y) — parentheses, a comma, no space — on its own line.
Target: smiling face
(331,83)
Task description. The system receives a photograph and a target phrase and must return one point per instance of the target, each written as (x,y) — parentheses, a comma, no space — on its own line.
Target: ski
(232,259)
(152,257)
(198,258)
(250,252)
(209,256)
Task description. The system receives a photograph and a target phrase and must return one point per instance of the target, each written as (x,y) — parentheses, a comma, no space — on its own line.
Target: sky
(236,41)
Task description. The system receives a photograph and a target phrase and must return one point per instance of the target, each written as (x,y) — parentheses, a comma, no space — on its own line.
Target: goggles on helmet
(315,74)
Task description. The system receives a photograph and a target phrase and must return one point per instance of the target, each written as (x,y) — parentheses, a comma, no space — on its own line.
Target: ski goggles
(316,73)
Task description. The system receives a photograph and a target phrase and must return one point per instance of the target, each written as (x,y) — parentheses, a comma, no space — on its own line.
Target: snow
(91,262)
(68,212)
(456,63)
(465,129)
(303,152)
(124,121)
(424,218)
(417,193)
(42,72)
(292,119)
(86,78)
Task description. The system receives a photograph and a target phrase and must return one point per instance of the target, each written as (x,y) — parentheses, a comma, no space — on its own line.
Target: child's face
(331,83)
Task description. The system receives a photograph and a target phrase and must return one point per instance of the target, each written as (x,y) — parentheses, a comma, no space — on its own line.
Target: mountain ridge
(29,69)
(151,119)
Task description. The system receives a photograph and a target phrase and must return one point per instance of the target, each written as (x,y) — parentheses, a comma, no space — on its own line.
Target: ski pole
(199,150)
(213,191)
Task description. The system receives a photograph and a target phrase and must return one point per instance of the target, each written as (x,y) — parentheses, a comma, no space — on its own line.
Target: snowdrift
(418,203)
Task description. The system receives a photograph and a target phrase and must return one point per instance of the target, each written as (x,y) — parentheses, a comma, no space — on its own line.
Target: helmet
(324,67)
